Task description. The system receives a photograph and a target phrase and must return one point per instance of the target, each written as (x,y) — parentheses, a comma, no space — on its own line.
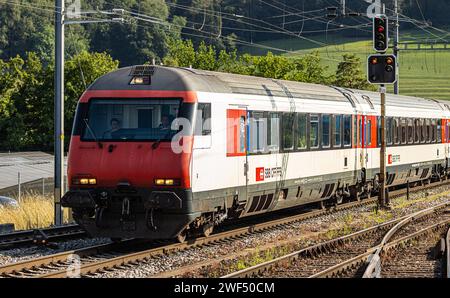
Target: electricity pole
(60,22)
(59,110)
(396,41)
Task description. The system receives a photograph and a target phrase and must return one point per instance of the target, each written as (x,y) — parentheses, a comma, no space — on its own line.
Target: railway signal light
(382,69)
(380,33)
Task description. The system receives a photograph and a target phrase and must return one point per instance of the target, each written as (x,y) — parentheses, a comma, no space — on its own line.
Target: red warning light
(374,61)
(389,61)
(381,29)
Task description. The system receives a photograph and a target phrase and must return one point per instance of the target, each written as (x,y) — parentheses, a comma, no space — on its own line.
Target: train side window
(314,132)
(417,129)
(410,131)
(439,130)
(203,124)
(396,131)
(355,130)
(258,133)
(326,125)
(347,130)
(389,124)
(423,136)
(273,132)
(433,131)
(236,132)
(403,128)
(302,131)
(288,133)
(368,134)
(360,131)
(428,130)
(337,131)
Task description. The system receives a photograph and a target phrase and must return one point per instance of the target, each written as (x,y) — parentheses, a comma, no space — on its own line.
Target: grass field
(35,211)
(423,73)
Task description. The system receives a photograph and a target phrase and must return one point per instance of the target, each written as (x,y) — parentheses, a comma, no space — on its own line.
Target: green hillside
(423,73)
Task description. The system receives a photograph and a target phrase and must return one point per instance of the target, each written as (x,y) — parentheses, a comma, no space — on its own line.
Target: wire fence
(42,186)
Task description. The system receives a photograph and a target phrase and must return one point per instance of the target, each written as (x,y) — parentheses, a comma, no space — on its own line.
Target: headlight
(168,181)
(84,181)
(160,181)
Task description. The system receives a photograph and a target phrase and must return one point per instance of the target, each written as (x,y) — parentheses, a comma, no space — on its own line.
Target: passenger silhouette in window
(165,122)
(115,127)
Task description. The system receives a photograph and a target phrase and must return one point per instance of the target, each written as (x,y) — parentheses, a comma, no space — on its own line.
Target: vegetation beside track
(34,211)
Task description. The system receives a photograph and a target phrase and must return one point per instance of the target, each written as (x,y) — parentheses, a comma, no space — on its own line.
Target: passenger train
(159,152)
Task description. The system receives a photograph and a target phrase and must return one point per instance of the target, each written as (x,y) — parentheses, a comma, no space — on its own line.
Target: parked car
(8,202)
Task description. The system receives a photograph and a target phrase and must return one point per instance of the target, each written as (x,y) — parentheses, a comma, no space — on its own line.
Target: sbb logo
(259,174)
(390,159)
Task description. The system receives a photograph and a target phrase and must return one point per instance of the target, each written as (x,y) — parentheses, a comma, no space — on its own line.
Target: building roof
(31,166)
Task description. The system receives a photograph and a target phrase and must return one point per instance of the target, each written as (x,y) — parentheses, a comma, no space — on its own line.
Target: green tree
(28,26)
(350,75)
(26,100)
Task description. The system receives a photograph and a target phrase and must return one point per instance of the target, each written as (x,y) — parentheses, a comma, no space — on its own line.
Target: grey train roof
(186,79)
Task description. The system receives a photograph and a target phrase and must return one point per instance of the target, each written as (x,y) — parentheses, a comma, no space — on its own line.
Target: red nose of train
(113,164)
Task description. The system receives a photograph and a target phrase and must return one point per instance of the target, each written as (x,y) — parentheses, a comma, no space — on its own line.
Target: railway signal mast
(382,70)
(60,22)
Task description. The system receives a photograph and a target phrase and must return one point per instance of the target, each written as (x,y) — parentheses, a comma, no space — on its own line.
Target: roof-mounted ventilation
(142,75)
(142,70)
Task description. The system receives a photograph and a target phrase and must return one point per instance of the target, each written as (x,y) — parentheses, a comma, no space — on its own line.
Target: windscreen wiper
(100,145)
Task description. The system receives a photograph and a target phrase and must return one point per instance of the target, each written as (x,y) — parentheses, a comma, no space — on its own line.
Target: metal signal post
(60,22)
(382,70)
(382,177)
(59,110)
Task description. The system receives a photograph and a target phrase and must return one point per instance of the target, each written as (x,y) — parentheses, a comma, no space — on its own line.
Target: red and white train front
(125,178)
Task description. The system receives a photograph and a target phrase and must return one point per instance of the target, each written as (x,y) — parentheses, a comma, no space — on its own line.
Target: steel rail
(374,268)
(260,268)
(41,236)
(360,259)
(14,268)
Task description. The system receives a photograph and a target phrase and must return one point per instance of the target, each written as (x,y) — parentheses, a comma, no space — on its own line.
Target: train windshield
(121,120)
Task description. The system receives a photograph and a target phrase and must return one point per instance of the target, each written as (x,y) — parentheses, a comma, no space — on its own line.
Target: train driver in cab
(165,122)
(115,126)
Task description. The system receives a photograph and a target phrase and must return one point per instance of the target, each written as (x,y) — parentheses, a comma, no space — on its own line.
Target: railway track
(98,259)
(41,236)
(347,256)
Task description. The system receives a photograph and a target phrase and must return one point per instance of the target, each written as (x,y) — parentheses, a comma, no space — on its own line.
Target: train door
(237,148)
(361,122)
(446,138)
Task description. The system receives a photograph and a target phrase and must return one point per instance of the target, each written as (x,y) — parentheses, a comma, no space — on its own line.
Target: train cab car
(159,152)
